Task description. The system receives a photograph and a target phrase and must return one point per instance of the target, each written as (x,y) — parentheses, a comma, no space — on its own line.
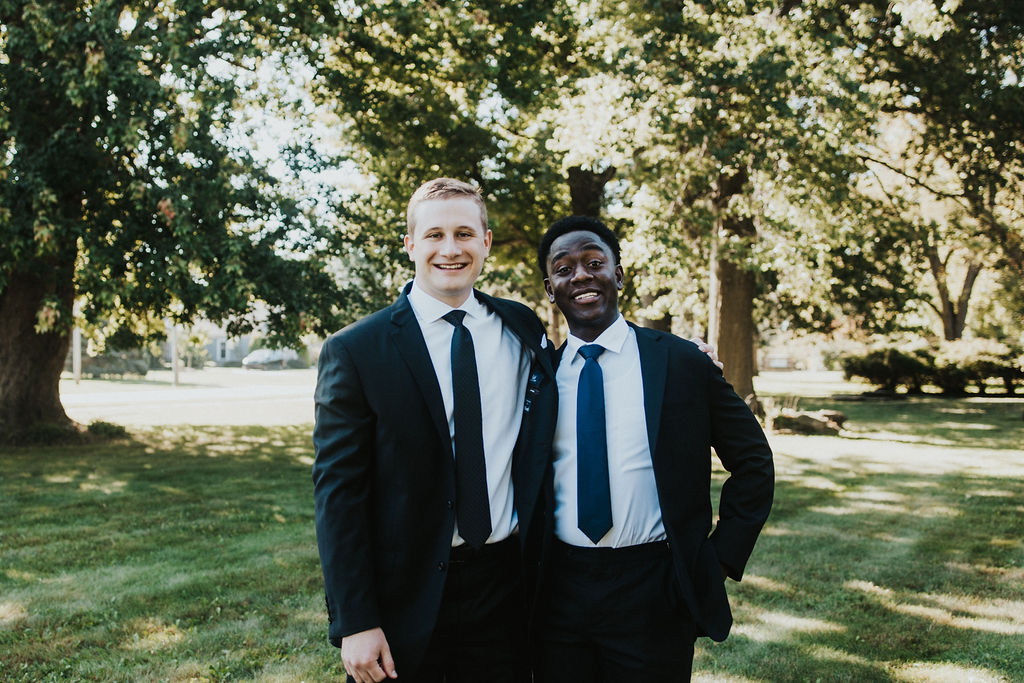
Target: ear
(619,276)
(487,241)
(549,290)
(407,241)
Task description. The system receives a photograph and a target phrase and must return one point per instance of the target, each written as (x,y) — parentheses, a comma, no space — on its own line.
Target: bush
(107,430)
(890,368)
(976,361)
(951,366)
(116,364)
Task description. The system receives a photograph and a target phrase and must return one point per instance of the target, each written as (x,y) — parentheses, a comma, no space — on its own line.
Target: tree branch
(959,197)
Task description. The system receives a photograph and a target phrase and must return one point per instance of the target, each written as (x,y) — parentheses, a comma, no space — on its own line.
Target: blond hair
(443,188)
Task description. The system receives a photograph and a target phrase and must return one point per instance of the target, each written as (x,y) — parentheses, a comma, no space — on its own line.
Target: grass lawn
(894,553)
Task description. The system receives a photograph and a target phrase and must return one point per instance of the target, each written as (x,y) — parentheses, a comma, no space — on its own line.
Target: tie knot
(455,317)
(591,351)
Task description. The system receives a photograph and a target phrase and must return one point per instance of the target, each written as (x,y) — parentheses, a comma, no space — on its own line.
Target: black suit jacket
(690,408)
(384,476)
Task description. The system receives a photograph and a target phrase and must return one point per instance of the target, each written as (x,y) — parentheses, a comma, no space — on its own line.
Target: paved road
(227,396)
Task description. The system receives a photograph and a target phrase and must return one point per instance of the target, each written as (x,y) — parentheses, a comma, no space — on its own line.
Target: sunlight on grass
(996,616)
(980,426)
(765,584)
(11,612)
(189,554)
(773,626)
(831,655)
(152,634)
(108,487)
(943,672)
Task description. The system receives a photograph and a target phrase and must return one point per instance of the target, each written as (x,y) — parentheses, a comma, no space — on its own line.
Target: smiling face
(448,243)
(584,281)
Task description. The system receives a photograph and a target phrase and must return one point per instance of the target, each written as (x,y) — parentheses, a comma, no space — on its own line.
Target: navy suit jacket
(690,409)
(384,475)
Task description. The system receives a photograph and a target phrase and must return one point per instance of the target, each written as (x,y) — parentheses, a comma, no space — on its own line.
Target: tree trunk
(586,190)
(733,315)
(952,313)
(30,362)
(664,323)
(732,289)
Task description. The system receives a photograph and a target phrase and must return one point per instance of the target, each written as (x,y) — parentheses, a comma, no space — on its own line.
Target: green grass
(894,553)
(185,555)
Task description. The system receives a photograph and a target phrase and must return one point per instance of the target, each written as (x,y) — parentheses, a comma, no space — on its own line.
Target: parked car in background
(270,359)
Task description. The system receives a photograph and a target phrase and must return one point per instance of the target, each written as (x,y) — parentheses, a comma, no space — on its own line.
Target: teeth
(450,266)
(586,296)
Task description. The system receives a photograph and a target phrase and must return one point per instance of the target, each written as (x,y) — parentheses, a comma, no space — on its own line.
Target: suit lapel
(408,339)
(653,370)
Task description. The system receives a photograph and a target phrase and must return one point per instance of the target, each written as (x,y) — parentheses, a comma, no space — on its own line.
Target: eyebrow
(590,246)
(457,227)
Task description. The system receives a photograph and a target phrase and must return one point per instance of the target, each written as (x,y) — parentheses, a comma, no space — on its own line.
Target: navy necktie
(593,497)
(472,510)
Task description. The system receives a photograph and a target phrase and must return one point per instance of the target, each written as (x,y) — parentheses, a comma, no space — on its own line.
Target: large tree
(124,190)
(752,133)
(947,77)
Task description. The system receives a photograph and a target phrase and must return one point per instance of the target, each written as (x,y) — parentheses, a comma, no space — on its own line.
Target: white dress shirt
(502,368)
(636,510)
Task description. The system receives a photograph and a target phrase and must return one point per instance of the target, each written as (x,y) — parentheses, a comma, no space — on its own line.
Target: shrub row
(950,366)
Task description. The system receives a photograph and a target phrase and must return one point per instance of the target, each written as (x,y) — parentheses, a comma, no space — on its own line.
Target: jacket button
(440,566)
(451,504)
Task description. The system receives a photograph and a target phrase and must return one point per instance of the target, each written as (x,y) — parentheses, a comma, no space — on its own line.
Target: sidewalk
(212,396)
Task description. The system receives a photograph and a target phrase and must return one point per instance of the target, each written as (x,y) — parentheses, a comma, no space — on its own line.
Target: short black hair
(575,224)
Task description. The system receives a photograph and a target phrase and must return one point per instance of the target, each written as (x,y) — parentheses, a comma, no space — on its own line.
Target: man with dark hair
(418,428)
(631,570)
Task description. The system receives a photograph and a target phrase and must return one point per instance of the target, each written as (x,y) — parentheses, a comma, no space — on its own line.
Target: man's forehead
(456,212)
(578,240)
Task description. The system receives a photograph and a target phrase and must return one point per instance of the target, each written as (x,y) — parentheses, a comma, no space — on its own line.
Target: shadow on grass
(176,555)
(877,577)
(189,553)
(980,422)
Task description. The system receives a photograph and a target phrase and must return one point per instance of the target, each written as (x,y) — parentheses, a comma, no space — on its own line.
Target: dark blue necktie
(472,511)
(593,498)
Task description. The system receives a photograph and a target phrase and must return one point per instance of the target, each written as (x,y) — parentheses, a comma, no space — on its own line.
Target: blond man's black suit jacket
(384,476)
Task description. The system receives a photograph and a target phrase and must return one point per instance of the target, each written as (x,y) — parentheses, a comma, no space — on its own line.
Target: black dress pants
(480,636)
(614,614)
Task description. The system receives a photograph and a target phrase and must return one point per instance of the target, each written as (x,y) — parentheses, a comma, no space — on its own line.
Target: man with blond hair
(419,408)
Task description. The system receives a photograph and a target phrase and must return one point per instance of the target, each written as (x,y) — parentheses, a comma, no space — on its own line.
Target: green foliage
(113,364)
(948,152)
(890,368)
(950,366)
(977,361)
(107,430)
(426,90)
(119,161)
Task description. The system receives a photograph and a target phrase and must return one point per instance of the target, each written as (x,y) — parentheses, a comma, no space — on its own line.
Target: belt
(630,553)
(464,553)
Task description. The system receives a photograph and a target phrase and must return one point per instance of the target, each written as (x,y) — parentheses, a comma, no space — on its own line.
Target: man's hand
(708,349)
(367,656)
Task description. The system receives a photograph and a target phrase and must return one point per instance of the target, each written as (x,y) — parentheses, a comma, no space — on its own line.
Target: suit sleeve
(747,494)
(343,439)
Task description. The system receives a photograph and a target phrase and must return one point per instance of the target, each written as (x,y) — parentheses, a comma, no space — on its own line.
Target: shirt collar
(428,309)
(611,339)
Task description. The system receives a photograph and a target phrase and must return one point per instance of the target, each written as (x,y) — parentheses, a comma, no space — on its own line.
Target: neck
(589,333)
(453,300)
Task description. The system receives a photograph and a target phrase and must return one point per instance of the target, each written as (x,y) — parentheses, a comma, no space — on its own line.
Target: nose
(580,273)
(450,247)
